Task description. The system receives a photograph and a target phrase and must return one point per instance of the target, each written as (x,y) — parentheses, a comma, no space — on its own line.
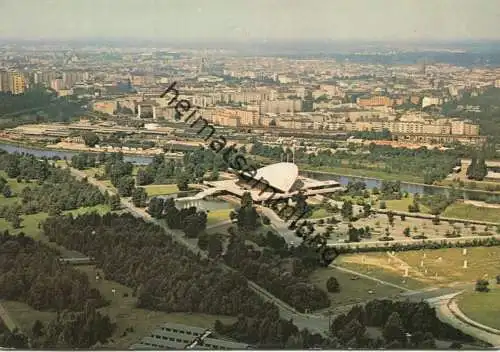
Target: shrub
(332,285)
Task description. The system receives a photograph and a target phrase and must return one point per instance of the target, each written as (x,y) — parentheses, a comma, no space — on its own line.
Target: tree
(214,247)
(194,224)
(155,207)
(114,202)
(183,183)
(393,329)
(347,210)
(390,216)
(367,209)
(482,285)
(37,329)
(125,186)
(90,139)
(481,170)
(332,285)
(144,177)
(407,232)
(139,197)
(246,200)
(7,191)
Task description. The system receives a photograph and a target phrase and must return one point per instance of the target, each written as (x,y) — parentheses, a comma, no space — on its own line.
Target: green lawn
(471,212)
(101,209)
(319,213)
(218,215)
(29,223)
(482,307)
(363,173)
(402,204)
(351,291)
(160,190)
(394,277)
(14,185)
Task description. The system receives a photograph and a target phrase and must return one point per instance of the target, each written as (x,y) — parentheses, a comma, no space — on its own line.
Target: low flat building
(179,337)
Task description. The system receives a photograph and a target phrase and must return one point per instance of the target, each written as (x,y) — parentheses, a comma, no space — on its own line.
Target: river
(40,152)
(411,188)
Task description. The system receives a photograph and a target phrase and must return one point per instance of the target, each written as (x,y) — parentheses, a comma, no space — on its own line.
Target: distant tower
(203,66)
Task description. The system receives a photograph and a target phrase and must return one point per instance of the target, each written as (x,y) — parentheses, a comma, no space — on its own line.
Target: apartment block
(235,117)
(13,82)
(281,106)
(377,100)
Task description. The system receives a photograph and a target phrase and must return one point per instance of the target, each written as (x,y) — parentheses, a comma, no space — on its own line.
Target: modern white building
(273,182)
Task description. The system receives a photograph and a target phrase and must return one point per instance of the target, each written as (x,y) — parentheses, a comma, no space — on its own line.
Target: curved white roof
(281,176)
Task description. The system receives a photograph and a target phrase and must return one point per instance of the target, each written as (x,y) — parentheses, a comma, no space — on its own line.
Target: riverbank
(344,175)
(374,174)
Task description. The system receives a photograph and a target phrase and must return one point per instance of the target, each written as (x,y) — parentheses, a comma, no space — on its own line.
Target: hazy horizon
(258,20)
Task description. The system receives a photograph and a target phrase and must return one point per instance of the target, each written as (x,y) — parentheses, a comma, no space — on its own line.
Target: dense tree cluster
(384,135)
(13,339)
(82,161)
(55,191)
(430,165)
(73,330)
(38,105)
(192,168)
(287,282)
(31,272)
(477,169)
(189,220)
(246,216)
(476,242)
(60,191)
(166,276)
(269,332)
(90,139)
(404,325)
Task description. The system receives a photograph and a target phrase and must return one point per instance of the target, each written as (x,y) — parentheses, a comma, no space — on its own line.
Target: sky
(236,20)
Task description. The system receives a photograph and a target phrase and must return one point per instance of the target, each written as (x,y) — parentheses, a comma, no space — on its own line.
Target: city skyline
(384,20)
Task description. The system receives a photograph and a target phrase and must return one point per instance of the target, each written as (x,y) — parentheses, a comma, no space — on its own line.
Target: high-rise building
(17,83)
(4,81)
(13,82)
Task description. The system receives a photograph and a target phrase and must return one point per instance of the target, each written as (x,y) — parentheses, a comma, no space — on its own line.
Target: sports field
(430,267)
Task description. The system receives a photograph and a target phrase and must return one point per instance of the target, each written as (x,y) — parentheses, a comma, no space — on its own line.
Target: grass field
(482,307)
(218,215)
(15,186)
(394,276)
(363,173)
(101,209)
(481,262)
(402,204)
(351,291)
(29,223)
(319,213)
(122,310)
(471,212)
(160,190)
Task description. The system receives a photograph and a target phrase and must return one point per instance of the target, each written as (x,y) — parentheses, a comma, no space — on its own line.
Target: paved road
(445,312)
(402,288)
(314,323)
